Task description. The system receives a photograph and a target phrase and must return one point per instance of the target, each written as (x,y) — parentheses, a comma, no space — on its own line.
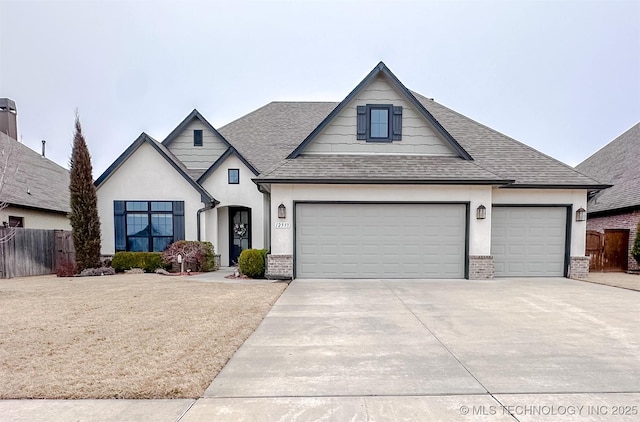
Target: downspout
(210,206)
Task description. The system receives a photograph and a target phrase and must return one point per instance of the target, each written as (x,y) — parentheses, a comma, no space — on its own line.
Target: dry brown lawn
(123,336)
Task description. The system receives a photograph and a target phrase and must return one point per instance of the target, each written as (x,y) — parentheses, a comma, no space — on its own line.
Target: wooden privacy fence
(34,252)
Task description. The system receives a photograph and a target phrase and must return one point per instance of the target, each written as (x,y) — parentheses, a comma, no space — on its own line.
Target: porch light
(282,211)
(581,214)
(481,212)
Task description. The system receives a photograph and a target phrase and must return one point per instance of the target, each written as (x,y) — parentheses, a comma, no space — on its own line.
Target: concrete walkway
(527,350)
(622,280)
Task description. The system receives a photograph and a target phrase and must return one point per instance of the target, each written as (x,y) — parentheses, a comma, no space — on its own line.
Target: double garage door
(380,240)
(345,240)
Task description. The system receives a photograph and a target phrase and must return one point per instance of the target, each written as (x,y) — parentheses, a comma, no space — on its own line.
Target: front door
(239,232)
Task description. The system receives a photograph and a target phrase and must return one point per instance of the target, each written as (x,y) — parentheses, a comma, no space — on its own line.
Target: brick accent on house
(279,267)
(628,220)
(578,267)
(481,267)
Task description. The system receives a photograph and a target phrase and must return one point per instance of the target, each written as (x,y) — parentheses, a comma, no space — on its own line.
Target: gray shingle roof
(38,181)
(379,168)
(616,163)
(267,135)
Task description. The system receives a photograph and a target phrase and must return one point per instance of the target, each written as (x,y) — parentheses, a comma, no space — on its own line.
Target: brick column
(279,267)
(481,267)
(578,267)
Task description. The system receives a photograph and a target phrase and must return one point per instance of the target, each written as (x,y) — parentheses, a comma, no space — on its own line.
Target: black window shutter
(362,123)
(397,123)
(178,220)
(120,225)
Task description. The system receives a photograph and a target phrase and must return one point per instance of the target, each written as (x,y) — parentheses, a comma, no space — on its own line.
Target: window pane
(137,206)
(197,137)
(138,244)
(234,176)
(137,225)
(161,206)
(161,243)
(379,123)
(162,224)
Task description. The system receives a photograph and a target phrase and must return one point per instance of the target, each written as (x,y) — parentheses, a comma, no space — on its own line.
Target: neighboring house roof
(616,163)
(164,153)
(32,180)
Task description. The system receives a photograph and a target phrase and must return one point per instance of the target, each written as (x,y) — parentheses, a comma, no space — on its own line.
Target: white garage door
(528,241)
(380,240)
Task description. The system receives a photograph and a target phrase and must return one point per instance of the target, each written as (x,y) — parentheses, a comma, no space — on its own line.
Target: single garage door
(528,241)
(380,240)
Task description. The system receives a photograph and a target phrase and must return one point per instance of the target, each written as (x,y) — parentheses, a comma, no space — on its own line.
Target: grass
(123,336)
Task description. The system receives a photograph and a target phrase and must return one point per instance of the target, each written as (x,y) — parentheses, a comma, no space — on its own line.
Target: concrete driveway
(516,349)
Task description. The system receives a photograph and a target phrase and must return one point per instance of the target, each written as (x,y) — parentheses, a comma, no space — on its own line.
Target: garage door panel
(528,241)
(380,240)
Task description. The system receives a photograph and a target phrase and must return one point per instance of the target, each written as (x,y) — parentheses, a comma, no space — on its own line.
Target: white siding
(197,157)
(244,194)
(418,136)
(145,175)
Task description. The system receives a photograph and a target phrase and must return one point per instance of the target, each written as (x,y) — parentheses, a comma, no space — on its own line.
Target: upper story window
(234,176)
(379,123)
(197,137)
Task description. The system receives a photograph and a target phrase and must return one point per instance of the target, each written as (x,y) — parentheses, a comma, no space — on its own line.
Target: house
(35,190)
(385,184)
(613,214)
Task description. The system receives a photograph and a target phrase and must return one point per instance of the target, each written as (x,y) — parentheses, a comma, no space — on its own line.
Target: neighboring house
(615,212)
(385,184)
(34,188)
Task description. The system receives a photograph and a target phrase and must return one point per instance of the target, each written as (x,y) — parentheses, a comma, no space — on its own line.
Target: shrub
(68,269)
(635,251)
(148,261)
(251,262)
(196,256)
(87,272)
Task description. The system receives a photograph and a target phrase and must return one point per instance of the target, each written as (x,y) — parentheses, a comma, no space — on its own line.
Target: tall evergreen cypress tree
(84,204)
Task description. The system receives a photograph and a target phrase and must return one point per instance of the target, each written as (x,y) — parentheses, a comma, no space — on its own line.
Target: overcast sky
(561,76)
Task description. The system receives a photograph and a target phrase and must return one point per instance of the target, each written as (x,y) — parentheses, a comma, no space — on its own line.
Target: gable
(340,135)
(197,157)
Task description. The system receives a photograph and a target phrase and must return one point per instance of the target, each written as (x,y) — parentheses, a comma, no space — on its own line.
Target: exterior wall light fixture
(581,214)
(481,212)
(282,211)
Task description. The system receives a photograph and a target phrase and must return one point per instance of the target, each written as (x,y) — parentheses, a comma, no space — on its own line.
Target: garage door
(380,240)
(528,241)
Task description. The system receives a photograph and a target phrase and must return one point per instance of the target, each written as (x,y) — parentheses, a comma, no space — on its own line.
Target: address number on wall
(282,225)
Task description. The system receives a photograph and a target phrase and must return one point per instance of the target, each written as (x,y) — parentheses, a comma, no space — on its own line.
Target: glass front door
(239,232)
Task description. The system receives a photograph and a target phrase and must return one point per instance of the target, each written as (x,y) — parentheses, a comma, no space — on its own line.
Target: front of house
(385,184)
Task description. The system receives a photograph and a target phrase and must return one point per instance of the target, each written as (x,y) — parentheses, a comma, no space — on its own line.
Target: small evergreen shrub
(68,269)
(148,261)
(251,262)
(88,272)
(635,251)
(196,256)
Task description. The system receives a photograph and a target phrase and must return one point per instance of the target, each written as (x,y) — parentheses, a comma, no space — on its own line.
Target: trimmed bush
(148,261)
(196,256)
(68,269)
(251,262)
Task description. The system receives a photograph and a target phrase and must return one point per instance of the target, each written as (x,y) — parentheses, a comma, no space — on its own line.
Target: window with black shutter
(379,123)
